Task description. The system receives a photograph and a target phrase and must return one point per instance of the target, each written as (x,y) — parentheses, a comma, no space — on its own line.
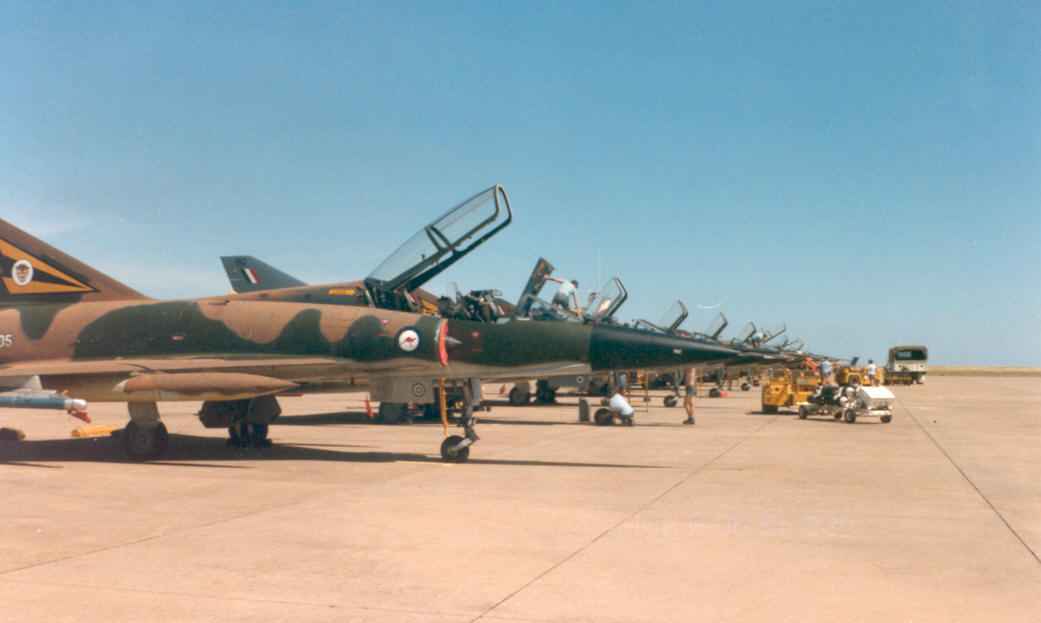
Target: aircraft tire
(258,435)
(519,397)
(391,413)
(144,443)
(454,456)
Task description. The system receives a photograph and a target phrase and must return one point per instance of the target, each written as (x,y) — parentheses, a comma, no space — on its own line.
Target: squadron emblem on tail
(25,274)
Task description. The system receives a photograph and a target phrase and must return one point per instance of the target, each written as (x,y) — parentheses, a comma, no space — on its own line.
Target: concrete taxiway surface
(743,517)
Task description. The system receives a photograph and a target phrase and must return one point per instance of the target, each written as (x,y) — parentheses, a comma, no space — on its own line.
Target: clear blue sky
(869,173)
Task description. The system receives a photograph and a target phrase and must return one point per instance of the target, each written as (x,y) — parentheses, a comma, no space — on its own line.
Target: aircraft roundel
(22,272)
(408,340)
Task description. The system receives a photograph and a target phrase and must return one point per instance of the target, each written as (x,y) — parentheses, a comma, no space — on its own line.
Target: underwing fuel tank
(45,400)
(200,386)
(615,348)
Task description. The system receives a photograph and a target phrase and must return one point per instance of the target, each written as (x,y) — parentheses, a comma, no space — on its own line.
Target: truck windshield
(910,355)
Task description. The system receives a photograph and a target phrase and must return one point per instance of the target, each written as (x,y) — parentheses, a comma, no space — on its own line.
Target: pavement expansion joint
(154,537)
(629,517)
(972,484)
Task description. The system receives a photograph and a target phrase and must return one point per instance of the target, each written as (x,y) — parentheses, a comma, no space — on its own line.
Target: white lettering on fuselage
(6,340)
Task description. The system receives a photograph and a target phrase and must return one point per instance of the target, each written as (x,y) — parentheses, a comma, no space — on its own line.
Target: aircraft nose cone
(622,348)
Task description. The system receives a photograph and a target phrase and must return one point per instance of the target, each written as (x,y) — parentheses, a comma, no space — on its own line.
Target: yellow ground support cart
(788,388)
(858,376)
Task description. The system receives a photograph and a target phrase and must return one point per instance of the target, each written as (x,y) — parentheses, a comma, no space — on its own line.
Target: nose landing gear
(456,448)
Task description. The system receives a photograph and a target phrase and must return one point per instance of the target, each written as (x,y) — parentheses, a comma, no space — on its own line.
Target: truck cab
(907,364)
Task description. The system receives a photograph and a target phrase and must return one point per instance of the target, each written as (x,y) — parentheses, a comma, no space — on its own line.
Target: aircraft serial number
(6,340)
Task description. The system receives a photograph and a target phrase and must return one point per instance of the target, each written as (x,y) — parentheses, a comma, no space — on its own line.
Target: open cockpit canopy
(607,301)
(771,333)
(669,322)
(747,333)
(443,242)
(716,328)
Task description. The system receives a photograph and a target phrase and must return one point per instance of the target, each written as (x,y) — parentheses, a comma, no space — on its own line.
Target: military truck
(907,365)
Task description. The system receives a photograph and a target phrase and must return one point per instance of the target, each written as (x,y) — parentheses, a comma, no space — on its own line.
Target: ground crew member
(690,379)
(620,381)
(567,295)
(872,372)
(826,378)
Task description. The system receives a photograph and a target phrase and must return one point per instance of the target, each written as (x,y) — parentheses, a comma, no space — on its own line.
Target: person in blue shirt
(826,371)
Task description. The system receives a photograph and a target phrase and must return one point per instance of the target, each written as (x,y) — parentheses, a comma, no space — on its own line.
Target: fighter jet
(70,333)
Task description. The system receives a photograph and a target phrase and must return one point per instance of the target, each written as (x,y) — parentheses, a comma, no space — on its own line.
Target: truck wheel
(603,417)
(886,419)
(803,412)
(850,416)
(670,401)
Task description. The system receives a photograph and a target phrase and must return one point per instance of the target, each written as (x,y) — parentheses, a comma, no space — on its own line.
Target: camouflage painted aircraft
(69,334)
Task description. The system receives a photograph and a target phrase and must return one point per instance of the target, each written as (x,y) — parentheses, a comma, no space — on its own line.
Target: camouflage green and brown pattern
(82,332)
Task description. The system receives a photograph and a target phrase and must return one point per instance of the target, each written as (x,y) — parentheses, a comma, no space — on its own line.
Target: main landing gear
(145,437)
(247,420)
(243,434)
(456,448)
(544,393)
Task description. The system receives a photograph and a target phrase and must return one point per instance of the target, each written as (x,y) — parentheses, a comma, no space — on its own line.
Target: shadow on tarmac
(193,451)
(324,419)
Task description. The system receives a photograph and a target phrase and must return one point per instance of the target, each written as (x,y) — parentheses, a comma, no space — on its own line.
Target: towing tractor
(788,388)
(907,365)
(849,402)
(852,375)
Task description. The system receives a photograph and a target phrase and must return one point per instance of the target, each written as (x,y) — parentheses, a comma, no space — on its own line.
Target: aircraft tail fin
(32,271)
(248,274)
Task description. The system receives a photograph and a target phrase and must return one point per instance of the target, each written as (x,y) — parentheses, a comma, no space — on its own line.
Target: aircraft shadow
(354,418)
(323,419)
(491,420)
(530,405)
(212,452)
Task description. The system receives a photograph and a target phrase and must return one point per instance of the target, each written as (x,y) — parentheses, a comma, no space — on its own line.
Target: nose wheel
(456,448)
(452,453)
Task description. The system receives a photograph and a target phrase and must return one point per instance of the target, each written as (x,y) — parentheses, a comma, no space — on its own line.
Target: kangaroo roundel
(22,272)
(408,340)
